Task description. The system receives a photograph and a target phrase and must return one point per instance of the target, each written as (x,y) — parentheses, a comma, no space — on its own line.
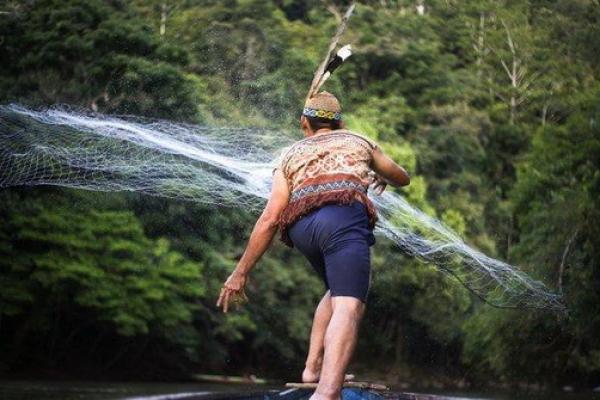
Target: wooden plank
(228,379)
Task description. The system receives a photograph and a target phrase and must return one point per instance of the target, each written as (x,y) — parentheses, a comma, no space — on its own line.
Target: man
(319,203)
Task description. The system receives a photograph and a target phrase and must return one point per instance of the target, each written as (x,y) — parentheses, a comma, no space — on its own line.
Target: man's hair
(317,123)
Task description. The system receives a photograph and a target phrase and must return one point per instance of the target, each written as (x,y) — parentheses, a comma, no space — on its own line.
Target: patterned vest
(329,168)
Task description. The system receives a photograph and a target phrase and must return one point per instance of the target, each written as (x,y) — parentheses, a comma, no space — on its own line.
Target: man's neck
(321,131)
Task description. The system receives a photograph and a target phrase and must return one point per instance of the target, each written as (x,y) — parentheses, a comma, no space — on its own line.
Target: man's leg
(340,340)
(314,360)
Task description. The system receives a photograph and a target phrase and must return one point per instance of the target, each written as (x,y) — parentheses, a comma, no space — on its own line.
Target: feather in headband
(332,60)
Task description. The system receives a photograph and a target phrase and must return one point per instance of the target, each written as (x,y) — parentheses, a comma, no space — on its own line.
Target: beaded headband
(312,112)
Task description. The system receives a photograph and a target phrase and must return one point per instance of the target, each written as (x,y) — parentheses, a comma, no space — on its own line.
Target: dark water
(41,390)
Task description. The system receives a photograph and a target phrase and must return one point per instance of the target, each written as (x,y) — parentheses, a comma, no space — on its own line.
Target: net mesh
(229,167)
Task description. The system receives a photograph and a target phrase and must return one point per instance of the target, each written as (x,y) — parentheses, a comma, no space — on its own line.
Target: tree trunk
(513,109)
(544,113)
(163,18)
(509,238)
(480,45)
(561,269)
(249,62)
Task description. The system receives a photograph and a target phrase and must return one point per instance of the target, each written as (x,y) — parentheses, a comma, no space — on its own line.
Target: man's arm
(266,225)
(388,169)
(260,240)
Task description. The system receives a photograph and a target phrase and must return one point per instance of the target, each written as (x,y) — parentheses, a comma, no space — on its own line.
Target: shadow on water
(43,390)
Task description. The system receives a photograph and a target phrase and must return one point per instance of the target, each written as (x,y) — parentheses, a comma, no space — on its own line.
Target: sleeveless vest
(329,168)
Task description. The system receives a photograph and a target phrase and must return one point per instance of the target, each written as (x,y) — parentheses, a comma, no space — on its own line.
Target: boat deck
(304,394)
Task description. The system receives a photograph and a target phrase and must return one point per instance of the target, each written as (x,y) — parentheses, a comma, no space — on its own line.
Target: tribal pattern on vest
(323,187)
(315,192)
(330,168)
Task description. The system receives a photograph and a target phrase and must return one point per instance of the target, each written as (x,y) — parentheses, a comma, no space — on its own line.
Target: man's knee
(348,305)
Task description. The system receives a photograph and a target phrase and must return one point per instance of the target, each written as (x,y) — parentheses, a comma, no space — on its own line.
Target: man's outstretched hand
(377,182)
(232,291)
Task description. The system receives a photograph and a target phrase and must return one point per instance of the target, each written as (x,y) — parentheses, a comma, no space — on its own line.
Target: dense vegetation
(492,106)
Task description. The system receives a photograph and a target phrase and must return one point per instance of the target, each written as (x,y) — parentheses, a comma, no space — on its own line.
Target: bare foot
(325,396)
(316,396)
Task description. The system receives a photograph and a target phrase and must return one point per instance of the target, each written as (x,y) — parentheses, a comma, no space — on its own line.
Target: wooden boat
(351,391)
(304,394)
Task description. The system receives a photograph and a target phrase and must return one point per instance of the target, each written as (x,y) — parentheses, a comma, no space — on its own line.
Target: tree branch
(561,269)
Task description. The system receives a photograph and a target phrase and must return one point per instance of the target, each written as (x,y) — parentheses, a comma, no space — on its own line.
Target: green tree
(556,203)
(61,258)
(93,54)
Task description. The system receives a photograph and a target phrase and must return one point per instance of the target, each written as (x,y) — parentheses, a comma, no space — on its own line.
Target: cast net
(229,167)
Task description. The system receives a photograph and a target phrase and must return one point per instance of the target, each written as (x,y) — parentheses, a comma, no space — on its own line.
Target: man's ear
(304,124)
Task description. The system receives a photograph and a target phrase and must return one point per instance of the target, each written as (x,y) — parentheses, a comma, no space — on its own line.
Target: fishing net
(223,166)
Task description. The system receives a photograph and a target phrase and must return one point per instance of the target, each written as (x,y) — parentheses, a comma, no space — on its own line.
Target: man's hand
(377,182)
(233,290)
(260,239)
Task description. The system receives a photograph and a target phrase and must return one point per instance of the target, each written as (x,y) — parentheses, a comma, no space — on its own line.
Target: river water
(42,390)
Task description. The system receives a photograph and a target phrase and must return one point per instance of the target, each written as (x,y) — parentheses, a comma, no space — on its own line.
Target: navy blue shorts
(336,239)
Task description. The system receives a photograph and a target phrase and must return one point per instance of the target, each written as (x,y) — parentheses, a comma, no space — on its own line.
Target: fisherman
(320,205)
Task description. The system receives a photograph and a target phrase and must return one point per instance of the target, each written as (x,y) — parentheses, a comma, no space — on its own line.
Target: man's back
(329,168)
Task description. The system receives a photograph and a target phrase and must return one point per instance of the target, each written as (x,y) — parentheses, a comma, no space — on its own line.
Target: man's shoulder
(339,133)
(359,136)
(307,145)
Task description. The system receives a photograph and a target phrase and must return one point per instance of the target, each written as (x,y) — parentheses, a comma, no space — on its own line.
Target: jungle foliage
(492,106)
